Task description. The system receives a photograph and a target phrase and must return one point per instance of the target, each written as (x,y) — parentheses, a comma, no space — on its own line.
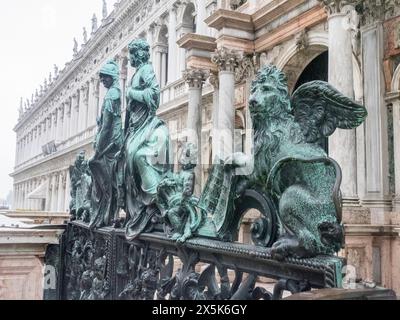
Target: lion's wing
(320,109)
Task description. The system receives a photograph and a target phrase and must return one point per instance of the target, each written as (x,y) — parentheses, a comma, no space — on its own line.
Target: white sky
(35,35)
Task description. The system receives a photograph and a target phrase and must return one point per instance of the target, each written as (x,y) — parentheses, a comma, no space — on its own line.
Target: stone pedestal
(21,261)
(372,250)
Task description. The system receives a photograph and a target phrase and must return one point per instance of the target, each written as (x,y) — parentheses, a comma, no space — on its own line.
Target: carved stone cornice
(230,19)
(226,59)
(196,41)
(195,77)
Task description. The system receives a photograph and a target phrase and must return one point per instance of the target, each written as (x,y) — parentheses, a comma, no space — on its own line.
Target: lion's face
(269,97)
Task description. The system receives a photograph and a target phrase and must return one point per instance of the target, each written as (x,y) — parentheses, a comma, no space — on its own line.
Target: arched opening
(189,21)
(316,70)
(162,56)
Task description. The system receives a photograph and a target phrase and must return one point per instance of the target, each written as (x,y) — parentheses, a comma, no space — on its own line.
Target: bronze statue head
(109,73)
(139,52)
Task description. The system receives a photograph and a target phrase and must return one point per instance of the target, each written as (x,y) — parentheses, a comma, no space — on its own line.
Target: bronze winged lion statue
(292,172)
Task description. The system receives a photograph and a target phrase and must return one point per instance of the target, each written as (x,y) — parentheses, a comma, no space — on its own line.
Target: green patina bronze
(108,142)
(290,168)
(144,159)
(294,184)
(81,188)
(176,201)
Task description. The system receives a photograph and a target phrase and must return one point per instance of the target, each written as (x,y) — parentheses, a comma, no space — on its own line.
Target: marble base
(21,262)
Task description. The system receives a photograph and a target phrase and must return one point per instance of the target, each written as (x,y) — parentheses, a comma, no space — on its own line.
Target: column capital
(337,6)
(195,77)
(226,59)
(369,10)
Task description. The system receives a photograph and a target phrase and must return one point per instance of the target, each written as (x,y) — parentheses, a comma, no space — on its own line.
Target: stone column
(83,105)
(172,47)
(23,206)
(48,193)
(34,142)
(18,204)
(157,64)
(74,115)
(61,193)
(54,125)
(50,126)
(79,111)
(195,78)
(202,27)
(396,143)
(164,62)
(214,80)
(97,100)
(342,144)
(29,146)
(54,190)
(227,62)
(67,115)
(67,190)
(377,193)
(60,123)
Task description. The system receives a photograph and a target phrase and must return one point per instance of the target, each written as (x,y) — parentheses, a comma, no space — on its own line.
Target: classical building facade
(205,53)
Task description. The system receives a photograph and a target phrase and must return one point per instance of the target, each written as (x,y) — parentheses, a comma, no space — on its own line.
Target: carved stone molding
(195,77)
(226,59)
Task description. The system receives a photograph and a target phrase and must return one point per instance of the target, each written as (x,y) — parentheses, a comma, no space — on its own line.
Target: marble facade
(223,43)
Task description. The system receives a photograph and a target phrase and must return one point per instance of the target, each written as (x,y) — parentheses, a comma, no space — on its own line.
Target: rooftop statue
(144,159)
(108,141)
(291,171)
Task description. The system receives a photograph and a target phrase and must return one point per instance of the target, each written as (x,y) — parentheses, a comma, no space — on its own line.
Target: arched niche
(298,63)
(187,18)
(163,35)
